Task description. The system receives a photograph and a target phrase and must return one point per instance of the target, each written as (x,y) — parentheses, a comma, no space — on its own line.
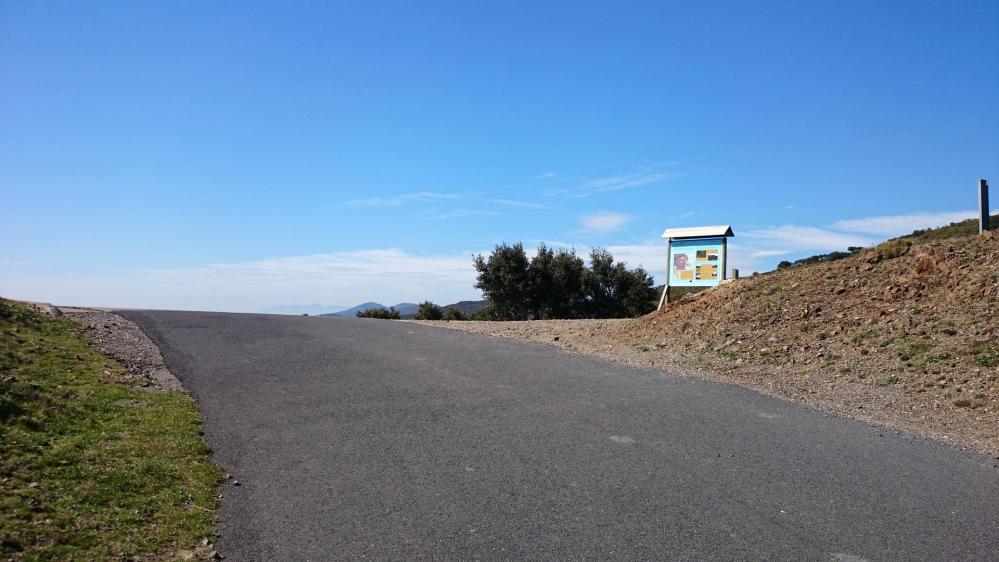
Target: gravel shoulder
(828,390)
(122,340)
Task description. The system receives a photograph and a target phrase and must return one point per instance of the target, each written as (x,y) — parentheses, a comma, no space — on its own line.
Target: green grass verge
(93,467)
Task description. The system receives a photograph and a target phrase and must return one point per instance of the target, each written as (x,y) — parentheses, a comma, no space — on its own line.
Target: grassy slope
(92,467)
(953,230)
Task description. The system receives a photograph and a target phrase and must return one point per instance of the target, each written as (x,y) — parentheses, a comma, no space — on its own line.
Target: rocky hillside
(919,320)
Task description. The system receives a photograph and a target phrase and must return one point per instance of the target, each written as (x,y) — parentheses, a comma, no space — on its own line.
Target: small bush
(429,311)
(380,313)
(483,314)
(859,337)
(454,314)
(893,249)
(988,359)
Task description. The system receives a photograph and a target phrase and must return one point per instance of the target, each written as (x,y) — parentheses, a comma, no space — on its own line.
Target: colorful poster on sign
(697,263)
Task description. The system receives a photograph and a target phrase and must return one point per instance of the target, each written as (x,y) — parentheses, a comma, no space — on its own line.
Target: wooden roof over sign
(698,232)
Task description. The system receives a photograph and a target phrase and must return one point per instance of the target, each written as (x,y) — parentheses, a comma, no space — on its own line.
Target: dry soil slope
(911,334)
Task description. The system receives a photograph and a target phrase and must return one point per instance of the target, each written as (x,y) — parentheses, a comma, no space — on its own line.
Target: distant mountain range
(467,308)
(409,309)
(405,308)
(299,309)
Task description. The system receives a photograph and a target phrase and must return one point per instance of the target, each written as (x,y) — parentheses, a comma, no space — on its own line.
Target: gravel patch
(125,342)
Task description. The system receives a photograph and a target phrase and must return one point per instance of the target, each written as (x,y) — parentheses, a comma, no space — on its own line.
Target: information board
(697,263)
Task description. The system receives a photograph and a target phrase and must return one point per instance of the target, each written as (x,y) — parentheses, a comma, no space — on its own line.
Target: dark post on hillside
(983,205)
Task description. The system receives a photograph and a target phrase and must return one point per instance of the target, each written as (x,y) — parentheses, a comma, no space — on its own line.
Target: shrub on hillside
(380,313)
(482,314)
(893,249)
(429,311)
(454,314)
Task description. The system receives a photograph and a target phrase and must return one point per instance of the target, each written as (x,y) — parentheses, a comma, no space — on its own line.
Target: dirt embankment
(907,338)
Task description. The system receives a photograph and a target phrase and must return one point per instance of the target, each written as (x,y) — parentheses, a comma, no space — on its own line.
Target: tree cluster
(430,311)
(558,284)
(821,258)
(382,313)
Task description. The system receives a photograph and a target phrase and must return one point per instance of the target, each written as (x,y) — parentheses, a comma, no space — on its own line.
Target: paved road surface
(386,440)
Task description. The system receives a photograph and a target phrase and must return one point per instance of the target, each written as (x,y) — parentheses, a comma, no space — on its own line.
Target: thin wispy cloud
(651,256)
(399,200)
(756,248)
(605,184)
(461,214)
(603,222)
(617,183)
(546,175)
(608,184)
(896,225)
(522,204)
(795,237)
(769,253)
(791,238)
(555,244)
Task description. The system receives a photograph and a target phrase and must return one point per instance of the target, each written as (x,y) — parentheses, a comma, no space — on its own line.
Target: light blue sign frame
(696,262)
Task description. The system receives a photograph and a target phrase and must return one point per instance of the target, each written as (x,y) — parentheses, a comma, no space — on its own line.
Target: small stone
(33,485)
(236,483)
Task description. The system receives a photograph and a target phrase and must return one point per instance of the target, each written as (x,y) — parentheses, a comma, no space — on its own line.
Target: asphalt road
(387,440)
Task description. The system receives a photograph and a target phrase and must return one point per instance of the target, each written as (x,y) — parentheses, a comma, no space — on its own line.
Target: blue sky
(234,156)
